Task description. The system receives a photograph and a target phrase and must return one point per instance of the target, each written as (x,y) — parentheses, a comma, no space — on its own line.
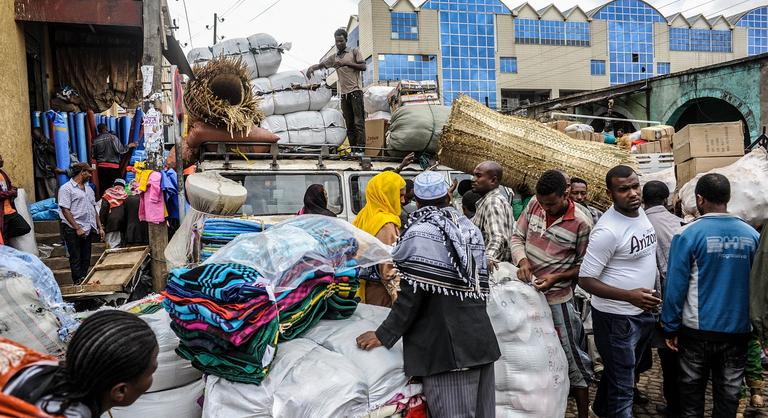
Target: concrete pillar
(15,123)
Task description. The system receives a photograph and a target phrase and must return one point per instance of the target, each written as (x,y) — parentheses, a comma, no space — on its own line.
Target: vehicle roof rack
(227,151)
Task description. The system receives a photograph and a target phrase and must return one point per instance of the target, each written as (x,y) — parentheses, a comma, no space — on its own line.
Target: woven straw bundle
(525,148)
(221,96)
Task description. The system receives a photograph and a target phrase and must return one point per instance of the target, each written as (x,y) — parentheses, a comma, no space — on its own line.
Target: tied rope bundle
(221,96)
(525,149)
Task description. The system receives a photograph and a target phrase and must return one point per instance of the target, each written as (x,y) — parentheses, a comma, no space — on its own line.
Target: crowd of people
(642,277)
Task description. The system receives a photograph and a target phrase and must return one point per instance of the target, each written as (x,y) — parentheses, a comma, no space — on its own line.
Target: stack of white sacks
(295,106)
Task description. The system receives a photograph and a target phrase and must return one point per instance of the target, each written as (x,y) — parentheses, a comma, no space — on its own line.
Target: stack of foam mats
(524,148)
(263,288)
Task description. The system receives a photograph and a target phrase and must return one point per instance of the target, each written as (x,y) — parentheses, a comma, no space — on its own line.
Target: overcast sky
(309,24)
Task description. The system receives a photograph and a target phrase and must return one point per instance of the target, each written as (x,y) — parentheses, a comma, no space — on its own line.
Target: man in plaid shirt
(548,245)
(494,215)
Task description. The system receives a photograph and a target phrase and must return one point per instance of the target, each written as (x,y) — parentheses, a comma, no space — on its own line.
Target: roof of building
(735,18)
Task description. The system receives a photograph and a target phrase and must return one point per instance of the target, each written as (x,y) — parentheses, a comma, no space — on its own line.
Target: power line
(186,15)
(232,7)
(264,11)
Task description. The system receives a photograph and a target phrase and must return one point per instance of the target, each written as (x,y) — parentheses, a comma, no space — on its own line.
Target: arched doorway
(599,124)
(708,110)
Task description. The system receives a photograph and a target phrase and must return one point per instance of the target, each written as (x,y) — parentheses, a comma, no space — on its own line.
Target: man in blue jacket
(706,300)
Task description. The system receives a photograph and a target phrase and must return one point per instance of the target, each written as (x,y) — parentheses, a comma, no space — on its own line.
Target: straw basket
(220,95)
(525,148)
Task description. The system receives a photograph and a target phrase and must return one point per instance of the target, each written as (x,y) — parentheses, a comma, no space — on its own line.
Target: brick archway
(673,112)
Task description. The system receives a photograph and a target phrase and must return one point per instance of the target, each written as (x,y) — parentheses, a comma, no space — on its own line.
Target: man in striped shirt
(548,244)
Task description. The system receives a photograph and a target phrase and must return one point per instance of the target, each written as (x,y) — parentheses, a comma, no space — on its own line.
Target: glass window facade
(700,40)
(353,38)
(662,68)
(368,73)
(630,39)
(467,43)
(526,31)
(405,26)
(756,23)
(393,67)
(577,33)
(597,67)
(508,65)
(551,32)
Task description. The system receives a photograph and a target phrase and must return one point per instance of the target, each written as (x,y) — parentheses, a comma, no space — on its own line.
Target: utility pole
(215,27)
(153,57)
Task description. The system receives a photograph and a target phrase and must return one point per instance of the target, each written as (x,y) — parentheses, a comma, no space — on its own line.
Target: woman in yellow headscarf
(381,218)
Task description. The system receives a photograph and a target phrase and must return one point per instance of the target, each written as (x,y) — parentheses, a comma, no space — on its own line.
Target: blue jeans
(621,341)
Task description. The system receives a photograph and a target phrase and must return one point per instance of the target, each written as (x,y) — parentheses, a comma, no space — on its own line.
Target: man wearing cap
(448,339)
(112,213)
(77,210)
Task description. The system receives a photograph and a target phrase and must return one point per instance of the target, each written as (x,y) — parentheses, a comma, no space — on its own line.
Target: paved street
(650,384)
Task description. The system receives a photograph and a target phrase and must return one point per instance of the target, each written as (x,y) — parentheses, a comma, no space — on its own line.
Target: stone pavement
(650,384)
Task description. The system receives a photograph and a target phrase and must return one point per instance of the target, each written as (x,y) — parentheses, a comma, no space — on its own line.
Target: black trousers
(354,116)
(670,372)
(724,361)
(107,177)
(79,249)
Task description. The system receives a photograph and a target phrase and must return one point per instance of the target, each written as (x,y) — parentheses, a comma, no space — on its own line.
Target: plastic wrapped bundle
(261,53)
(178,402)
(325,127)
(748,184)
(289,251)
(416,128)
(525,149)
(289,92)
(532,373)
(26,242)
(199,56)
(376,99)
(219,232)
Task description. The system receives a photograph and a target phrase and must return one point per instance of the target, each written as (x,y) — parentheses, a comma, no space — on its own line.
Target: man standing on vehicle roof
(349,65)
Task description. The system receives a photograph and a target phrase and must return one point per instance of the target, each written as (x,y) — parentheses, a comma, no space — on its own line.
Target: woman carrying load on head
(381,218)
(316,202)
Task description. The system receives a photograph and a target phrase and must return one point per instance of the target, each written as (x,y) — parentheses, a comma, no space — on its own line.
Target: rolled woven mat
(525,148)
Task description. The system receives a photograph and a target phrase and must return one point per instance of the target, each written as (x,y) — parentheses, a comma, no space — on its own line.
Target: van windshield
(283,194)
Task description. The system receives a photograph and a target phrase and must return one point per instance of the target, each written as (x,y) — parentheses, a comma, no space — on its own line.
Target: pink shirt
(152,208)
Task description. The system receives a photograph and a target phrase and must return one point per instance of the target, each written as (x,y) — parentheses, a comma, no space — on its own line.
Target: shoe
(640,398)
(663,410)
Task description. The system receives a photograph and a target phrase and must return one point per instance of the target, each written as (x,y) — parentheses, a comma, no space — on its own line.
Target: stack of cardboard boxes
(560,125)
(659,139)
(699,148)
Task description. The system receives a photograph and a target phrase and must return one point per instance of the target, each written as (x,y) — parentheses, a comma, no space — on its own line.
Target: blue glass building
(504,56)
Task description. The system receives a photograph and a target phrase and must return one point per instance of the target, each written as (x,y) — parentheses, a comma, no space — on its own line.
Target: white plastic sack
(24,317)
(47,288)
(289,92)
(579,127)
(325,127)
(666,176)
(375,99)
(532,373)
(172,371)
(382,368)
(634,136)
(181,248)
(334,103)
(379,115)
(212,193)
(267,53)
(199,55)
(26,242)
(306,381)
(288,251)
(749,182)
(178,403)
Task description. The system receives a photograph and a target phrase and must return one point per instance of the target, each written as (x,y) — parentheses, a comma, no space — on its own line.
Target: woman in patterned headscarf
(381,218)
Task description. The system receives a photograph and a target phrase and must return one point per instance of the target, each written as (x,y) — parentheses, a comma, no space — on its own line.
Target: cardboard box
(656,133)
(375,136)
(687,170)
(725,139)
(581,135)
(560,125)
(666,145)
(598,137)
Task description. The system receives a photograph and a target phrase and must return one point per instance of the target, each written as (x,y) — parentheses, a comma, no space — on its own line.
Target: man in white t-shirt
(619,270)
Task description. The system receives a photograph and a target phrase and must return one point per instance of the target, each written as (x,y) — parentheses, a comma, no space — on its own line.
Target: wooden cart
(114,276)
